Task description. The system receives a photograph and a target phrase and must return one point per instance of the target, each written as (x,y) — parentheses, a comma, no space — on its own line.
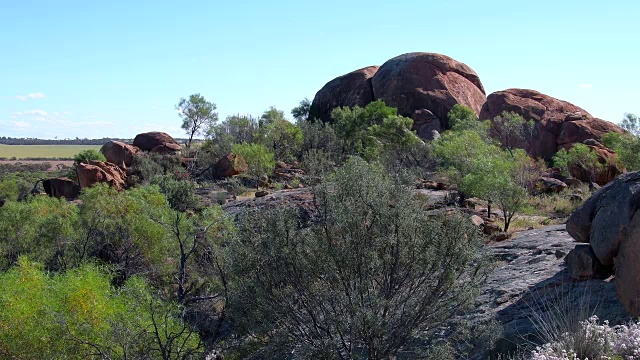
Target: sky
(117,68)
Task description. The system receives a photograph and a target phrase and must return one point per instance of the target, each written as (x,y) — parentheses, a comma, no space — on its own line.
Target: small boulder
(61,188)
(501,236)
(491,228)
(477,220)
(550,185)
(628,269)
(101,172)
(230,165)
(149,140)
(167,148)
(117,152)
(261,193)
(584,265)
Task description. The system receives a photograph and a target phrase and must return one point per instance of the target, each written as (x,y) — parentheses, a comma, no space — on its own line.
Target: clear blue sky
(116,68)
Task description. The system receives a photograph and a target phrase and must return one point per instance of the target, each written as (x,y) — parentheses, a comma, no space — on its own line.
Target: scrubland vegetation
(152,273)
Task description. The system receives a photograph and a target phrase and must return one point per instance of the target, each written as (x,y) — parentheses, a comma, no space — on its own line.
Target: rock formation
(610,222)
(557,123)
(61,188)
(119,153)
(101,172)
(150,140)
(423,86)
(230,165)
(352,89)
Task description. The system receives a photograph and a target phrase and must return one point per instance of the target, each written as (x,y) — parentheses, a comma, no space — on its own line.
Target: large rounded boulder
(434,82)
(423,86)
(610,222)
(119,153)
(96,172)
(150,140)
(557,123)
(352,89)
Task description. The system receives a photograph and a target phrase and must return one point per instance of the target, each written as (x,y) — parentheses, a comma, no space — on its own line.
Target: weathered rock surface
(166,149)
(428,81)
(101,172)
(119,153)
(230,165)
(532,276)
(149,140)
(352,89)
(423,86)
(583,264)
(604,219)
(628,269)
(551,185)
(61,188)
(557,122)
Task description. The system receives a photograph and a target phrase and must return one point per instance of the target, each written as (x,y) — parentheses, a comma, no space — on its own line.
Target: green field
(43,151)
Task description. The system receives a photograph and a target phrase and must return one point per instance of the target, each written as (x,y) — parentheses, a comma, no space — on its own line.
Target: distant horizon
(87,70)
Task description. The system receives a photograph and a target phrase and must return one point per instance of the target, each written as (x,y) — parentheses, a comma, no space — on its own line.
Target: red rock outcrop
(352,89)
(166,149)
(61,188)
(610,170)
(149,140)
(557,123)
(101,172)
(428,81)
(230,165)
(119,153)
(423,86)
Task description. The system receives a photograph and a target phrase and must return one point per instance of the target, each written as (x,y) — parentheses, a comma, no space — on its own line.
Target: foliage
(316,164)
(321,136)
(580,156)
(43,228)
(511,130)
(180,194)
(79,315)
(198,115)
(283,138)
(462,118)
(631,123)
(85,156)
(270,116)
(374,129)
(259,159)
(149,165)
(352,285)
(626,147)
(14,188)
(301,112)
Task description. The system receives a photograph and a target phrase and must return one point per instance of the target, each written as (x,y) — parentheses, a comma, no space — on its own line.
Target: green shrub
(342,275)
(260,160)
(580,156)
(180,194)
(85,156)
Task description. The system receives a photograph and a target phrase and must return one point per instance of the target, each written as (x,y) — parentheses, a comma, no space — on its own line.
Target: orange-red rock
(230,165)
(119,153)
(149,140)
(352,89)
(101,172)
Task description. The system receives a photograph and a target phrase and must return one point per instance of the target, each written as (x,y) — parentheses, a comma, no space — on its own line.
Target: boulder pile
(609,222)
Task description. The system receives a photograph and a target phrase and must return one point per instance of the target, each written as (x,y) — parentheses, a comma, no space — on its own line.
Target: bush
(259,159)
(180,194)
(579,156)
(627,148)
(369,272)
(78,314)
(85,156)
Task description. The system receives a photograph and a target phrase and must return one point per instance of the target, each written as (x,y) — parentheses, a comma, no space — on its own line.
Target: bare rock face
(610,222)
(428,81)
(61,188)
(149,140)
(352,89)
(101,172)
(167,148)
(118,153)
(583,264)
(426,124)
(551,185)
(557,123)
(230,165)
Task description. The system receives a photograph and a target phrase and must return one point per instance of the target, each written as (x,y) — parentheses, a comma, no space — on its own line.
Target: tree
(301,112)
(271,115)
(284,138)
(627,148)
(198,115)
(85,156)
(463,118)
(357,283)
(631,123)
(259,159)
(581,158)
(511,130)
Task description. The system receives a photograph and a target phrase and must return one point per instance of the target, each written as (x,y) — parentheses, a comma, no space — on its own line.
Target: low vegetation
(154,272)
